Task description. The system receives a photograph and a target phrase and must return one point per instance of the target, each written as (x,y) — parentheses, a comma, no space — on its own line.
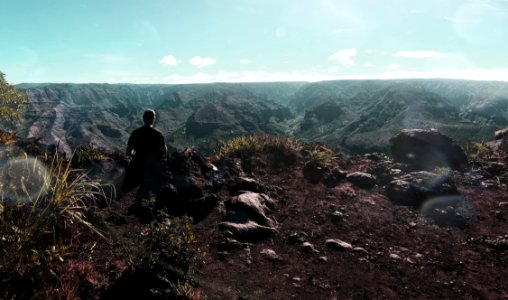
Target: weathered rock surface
(415,188)
(427,149)
(362,180)
(250,212)
(250,230)
(336,244)
(449,211)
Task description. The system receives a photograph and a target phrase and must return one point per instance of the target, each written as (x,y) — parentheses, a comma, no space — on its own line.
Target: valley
(360,115)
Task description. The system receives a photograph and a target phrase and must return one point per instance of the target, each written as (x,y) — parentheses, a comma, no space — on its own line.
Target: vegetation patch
(44,206)
(280,150)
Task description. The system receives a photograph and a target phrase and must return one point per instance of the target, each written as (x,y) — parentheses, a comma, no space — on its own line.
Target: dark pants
(146,173)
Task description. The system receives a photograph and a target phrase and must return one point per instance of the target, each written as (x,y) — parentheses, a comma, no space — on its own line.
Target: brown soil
(404,256)
(398,254)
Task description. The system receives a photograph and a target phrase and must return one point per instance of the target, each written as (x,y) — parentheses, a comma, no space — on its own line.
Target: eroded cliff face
(104,115)
(360,115)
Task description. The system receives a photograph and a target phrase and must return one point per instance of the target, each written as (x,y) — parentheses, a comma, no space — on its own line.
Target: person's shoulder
(137,130)
(156,130)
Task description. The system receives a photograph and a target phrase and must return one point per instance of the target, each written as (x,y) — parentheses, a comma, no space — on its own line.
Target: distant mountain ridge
(358,114)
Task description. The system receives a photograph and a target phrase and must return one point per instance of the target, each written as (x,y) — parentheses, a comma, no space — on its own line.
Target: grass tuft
(44,212)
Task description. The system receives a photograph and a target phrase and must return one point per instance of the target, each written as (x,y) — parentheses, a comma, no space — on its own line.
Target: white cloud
(368,65)
(469,74)
(369,51)
(250,76)
(169,60)
(244,61)
(419,54)
(344,56)
(393,67)
(202,61)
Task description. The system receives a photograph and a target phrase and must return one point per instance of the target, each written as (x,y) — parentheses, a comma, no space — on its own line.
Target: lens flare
(23,181)
(449,211)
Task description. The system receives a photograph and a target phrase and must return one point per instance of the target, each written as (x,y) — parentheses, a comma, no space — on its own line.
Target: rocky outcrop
(248,218)
(427,149)
(413,189)
(362,180)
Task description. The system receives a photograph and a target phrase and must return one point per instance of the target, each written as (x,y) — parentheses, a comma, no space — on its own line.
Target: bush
(12,101)
(322,156)
(280,150)
(44,208)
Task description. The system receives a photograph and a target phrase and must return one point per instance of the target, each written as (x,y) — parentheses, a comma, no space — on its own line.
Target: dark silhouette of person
(147,149)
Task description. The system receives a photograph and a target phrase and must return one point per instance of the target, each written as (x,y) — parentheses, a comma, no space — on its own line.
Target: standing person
(147,149)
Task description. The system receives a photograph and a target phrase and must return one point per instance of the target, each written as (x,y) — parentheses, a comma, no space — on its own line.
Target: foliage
(39,230)
(171,243)
(278,151)
(12,101)
(7,138)
(322,155)
(185,291)
(478,151)
(86,155)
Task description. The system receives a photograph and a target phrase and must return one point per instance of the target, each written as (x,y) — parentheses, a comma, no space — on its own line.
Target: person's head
(149,116)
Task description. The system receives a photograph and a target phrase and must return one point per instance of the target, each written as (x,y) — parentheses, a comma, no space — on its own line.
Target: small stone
(323,258)
(360,249)
(394,256)
(337,217)
(409,260)
(270,255)
(337,244)
(499,215)
(308,248)
(297,279)
(503,204)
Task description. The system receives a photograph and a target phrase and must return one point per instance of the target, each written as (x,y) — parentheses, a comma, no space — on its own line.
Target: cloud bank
(202,61)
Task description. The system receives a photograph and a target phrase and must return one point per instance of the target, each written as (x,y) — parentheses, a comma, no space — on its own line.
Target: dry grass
(43,216)
(279,151)
(322,155)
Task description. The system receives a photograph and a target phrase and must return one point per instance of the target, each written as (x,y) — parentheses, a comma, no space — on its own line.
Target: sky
(194,41)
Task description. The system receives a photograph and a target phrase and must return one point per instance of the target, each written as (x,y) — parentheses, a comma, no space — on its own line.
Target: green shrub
(321,155)
(44,208)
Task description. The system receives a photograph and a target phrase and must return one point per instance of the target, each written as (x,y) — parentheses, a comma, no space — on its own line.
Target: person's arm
(130,142)
(165,151)
(128,151)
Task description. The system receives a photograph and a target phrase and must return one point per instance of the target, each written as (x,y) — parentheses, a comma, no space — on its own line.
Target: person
(147,149)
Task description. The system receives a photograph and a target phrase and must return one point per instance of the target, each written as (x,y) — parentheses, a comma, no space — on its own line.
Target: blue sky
(170,41)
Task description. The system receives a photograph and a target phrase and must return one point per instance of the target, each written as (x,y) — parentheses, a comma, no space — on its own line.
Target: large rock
(362,180)
(250,231)
(247,216)
(250,206)
(449,211)
(415,188)
(427,149)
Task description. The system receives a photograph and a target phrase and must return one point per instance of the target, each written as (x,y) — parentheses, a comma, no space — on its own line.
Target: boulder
(250,206)
(247,216)
(449,211)
(415,188)
(362,180)
(250,230)
(427,149)
(314,172)
(333,178)
(245,184)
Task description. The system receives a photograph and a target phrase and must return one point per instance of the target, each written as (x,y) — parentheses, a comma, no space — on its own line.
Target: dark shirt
(147,142)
